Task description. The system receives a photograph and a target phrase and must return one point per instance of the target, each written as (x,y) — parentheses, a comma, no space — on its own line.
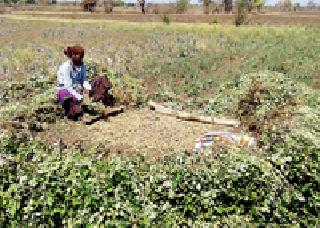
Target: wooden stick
(161,109)
(189,117)
(112,111)
(227,122)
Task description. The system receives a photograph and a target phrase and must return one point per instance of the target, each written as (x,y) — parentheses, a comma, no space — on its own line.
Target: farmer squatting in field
(73,86)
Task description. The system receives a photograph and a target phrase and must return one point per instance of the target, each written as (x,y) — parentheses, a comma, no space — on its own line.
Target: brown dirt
(133,131)
(271,18)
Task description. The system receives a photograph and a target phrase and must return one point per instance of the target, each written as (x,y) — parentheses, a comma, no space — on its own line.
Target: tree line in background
(216,6)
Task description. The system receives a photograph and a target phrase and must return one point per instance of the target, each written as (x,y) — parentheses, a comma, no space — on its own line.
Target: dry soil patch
(133,131)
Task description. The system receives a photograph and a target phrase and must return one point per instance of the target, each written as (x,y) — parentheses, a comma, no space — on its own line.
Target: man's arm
(65,81)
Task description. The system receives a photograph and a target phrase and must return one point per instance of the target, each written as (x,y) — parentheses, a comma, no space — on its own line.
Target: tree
(250,5)
(311,4)
(258,4)
(142,4)
(182,6)
(241,13)
(108,5)
(227,5)
(286,5)
(206,6)
(10,1)
(42,2)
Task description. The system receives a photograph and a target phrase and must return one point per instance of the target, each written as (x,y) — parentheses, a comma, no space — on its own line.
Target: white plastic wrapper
(209,138)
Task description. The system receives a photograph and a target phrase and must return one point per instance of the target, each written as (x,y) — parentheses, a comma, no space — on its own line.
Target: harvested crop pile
(265,102)
(127,90)
(268,104)
(284,116)
(28,107)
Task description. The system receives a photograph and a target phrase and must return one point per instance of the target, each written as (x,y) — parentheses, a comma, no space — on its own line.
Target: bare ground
(270,19)
(134,131)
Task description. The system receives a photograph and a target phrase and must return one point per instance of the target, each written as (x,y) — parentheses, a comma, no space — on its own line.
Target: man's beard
(77,62)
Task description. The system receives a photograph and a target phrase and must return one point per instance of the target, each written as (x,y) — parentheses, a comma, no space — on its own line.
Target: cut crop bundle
(263,102)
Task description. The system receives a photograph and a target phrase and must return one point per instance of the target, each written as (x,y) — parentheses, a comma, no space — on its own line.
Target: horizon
(268,2)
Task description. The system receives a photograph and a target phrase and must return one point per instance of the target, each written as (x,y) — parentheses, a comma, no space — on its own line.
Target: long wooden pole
(190,117)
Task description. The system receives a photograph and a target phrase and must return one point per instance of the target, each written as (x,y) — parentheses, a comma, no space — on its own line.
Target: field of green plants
(267,77)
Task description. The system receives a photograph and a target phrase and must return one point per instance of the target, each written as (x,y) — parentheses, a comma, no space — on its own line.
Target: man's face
(76,59)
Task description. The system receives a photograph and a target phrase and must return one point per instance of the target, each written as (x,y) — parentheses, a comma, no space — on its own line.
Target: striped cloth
(230,138)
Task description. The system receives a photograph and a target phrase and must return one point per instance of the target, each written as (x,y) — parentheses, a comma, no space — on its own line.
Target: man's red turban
(77,50)
(74,50)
